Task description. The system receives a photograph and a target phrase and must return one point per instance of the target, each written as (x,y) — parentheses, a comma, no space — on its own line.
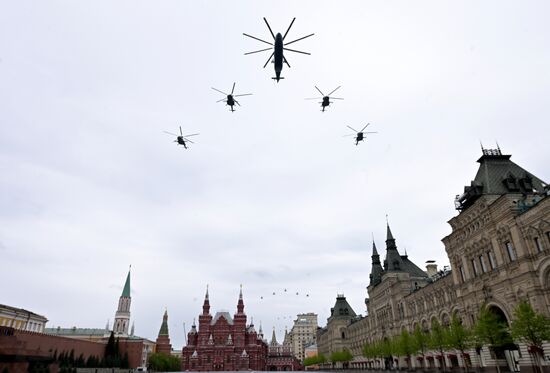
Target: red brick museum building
(224,343)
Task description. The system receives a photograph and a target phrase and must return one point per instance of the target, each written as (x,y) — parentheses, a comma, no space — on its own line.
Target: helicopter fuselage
(230,100)
(359,137)
(278,56)
(181,141)
(326,101)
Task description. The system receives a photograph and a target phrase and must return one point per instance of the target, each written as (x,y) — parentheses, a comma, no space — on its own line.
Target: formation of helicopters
(278,58)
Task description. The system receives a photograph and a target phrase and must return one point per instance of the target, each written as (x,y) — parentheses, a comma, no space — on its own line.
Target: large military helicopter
(325,98)
(278,46)
(359,135)
(230,99)
(181,139)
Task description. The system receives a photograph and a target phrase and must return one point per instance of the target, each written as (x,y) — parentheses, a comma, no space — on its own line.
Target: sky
(272,196)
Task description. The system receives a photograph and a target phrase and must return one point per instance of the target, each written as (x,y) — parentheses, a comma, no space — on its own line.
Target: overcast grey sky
(271,196)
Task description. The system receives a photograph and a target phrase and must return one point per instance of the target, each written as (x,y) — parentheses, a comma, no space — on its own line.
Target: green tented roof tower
(126,290)
(122,315)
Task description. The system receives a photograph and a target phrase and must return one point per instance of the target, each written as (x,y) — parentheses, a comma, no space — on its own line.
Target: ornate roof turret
(498,175)
(206,304)
(393,261)
(240,303)
(193,328)
(341,308)
(260,332)
(376,270)
(273,342)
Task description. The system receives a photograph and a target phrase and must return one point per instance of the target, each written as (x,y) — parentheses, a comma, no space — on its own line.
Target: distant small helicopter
(326,98)
(278,48)
(359,135)
(230,99)
(181,139)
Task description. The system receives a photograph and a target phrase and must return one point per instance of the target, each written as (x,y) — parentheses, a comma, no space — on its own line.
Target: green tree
(459,338)
(313,360)
(531,328)
(110,347)
(439,340)
(491,330)
(164,363)
(343,356)
(405,346)
(421,341)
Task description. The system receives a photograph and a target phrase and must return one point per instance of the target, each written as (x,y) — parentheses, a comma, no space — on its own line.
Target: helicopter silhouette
(278,46)
(181,139)
(359,135)
(230,99)
(326,98)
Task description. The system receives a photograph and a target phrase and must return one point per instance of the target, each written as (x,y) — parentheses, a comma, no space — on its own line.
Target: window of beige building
(538,244)
(482,263)
(510,250)
(474,267)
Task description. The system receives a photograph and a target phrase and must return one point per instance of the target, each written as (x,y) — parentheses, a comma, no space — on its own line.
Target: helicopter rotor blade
(265,20)
(188,140)
(193,134)
(353,129)
(217,90)
(253,37)
(244,94)
(258,51)
(322,94)
(295,51)
(365,127)
(302,38)
(269,59)
(337,88)
(370,132)
(237,102)
(170,133)
(285,61)
(313,98)
(336,98)
(288,29)
(181,133)
(233,89)
(223,99)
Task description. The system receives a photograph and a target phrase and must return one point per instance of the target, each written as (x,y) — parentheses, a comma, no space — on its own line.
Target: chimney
(431,268)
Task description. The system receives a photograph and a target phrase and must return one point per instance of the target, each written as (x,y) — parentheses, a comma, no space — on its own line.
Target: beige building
(22,319)
(303,333)
(499,250)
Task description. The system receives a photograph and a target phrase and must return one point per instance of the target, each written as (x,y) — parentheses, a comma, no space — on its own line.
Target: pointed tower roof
(388,233)
(206,304)
(393,260)
(376,270)
(240,303)
(164,326)
(273,339)
(126,290)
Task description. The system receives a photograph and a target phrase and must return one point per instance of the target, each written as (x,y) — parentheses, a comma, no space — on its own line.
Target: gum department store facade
(499,253)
